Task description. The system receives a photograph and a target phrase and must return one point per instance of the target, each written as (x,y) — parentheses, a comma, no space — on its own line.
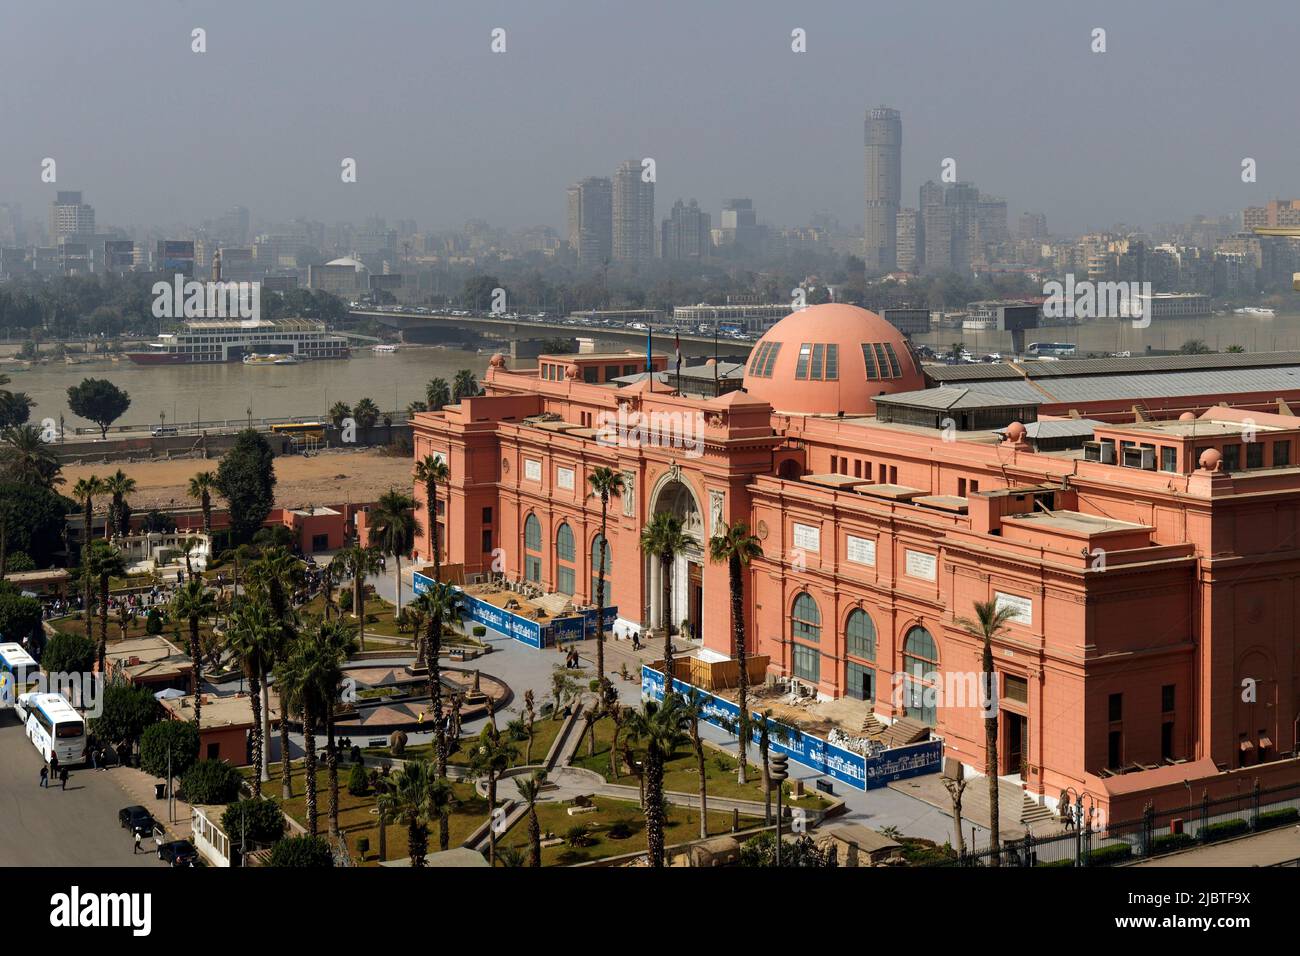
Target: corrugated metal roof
(1142,364)
(949,397)
(1057,428)
(1149,385)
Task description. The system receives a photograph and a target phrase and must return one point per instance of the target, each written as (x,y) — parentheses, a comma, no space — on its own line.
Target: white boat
(271,358)
(384,349)
(1254,310)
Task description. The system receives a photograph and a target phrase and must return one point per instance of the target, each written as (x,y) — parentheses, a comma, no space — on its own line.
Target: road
(76,827)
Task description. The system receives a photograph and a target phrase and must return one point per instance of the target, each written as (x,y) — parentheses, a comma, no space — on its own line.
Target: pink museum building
(1141,518)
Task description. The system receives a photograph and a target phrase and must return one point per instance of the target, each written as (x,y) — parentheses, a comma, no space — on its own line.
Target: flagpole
(649,359)
(715,358)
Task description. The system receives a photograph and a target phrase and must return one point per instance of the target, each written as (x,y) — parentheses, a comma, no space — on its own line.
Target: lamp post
(778,771)
(1083,818)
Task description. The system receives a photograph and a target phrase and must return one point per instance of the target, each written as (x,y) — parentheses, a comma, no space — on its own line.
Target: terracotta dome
(1015,432)
(831,358)
(1210,459)
(1187,417)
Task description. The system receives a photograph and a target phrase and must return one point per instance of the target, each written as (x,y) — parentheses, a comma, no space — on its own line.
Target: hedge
(1110,854)
(263,819)
(1224,829)
(1277,818)
(1172,841)
(302,851)
(210,781)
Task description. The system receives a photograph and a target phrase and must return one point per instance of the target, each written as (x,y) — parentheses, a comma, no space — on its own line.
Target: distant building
(69,216)
(685,233)
(749,317)
(883,165)
(1032,225)
(908,321)
(344,277)
(739,225)
(633,214)
(174,256)
(591,224)
(909,239)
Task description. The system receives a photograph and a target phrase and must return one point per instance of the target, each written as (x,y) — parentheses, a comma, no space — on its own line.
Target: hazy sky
(443,130)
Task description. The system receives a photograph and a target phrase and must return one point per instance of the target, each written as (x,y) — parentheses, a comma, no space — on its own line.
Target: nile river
(187,393)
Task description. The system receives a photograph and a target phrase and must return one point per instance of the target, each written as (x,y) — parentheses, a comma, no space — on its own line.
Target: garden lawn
(681,774)
(178,632)
(545,731)
(356,819)
(683,825)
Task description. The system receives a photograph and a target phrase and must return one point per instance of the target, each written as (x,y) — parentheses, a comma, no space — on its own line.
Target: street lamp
(778,771)
(1083,818)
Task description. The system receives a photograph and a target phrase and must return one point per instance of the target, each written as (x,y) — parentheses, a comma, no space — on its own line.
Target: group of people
(54,771)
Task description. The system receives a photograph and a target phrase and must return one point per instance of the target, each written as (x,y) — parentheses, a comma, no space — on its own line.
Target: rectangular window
(1281,454)
(974,487)
(1167,740)
(818,361)
(868,356)
(533,568)
(860,682)
(487,540)
(591,375)
(961,487)
(611,372)
(1115,707)
(1231,457)
(894,370)
(857,468)
(1255,455)
(629,369)
(320,542)
(832,363)
(1167,699)
(801,366)
(564,580)
(487,515)
(1168,458)
(835,464)
(774,348)
(1015,688)
(807,663)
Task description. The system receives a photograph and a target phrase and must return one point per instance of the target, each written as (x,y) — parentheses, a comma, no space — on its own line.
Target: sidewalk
(139,788)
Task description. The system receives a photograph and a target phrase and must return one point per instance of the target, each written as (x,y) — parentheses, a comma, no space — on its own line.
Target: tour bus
(16,666)
(53,726)
(1058,349)
(301,430)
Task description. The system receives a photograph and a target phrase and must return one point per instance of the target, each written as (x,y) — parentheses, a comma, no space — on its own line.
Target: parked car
(178,853)
(136,819)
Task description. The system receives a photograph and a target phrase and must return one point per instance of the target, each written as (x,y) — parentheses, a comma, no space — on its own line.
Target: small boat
(384,349)
(1254,310)
(271,358)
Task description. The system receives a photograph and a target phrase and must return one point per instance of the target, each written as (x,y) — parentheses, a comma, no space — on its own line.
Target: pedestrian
(54,763)
(45,776)
(137,843)
(63,778)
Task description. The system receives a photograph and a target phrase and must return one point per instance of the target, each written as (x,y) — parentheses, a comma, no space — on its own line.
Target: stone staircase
(1034,815)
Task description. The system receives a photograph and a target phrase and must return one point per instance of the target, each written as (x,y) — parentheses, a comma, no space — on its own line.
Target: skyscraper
(884,180)
(591,203)
(633,213)
(910,239)
(69,216)
(685,234)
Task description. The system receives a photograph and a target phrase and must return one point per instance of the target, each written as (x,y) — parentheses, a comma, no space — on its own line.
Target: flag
(649,360)
(677,341)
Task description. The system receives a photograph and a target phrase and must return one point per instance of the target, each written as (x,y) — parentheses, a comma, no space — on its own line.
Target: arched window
(921,670)
(564,553)
(806,624)
(595,566)
(532,547)
(860,642)
(806,618)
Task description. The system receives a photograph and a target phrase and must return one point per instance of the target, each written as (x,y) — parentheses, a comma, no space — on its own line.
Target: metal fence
(1097,843)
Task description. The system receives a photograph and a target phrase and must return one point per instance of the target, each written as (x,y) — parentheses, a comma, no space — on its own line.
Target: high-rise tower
(884,180)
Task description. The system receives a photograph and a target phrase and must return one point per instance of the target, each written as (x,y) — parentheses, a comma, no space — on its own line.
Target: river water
(187,393)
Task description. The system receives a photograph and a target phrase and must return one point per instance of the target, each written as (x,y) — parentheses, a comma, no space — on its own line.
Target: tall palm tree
(336,642)
(27,457)
(663,539)
(530,788)
(660,729)
(406,801)
(442,799)
(119,486)
(605,483)
(339,411)
(440,602)
(202,486)
(490,758)
(734,544)
(989,622)
(785,733)
(393,528)
(272,578)
(298,679)
(193,602)
(100,562)
(366,413)
(695,707)
(465,385)
(431,472)
(84,491)
(437,394)
(252,636)
(358,562)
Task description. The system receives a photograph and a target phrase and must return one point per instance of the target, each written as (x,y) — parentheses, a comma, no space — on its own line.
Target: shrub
(210,781)
(20,561)
(259,821)
(358,781)
(302,851)
(577,836)
(355,754)
(183,739)
(1224,829)
(397,743)
(1277,818)
(125,713)
(620,829)
(1172,841)
(67,654)
(345,601)
(363,846)
(480,630)
(1057,863)
(1110,854)
(153,623)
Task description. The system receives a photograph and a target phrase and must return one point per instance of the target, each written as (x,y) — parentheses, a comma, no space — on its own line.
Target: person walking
(54,763)
(137,843)
(45,776)
(63,778)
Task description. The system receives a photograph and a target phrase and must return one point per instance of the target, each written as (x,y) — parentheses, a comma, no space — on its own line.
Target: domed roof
(827,359)
(348,261)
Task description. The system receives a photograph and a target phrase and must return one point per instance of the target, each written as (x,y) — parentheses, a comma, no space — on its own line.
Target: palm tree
(989,622)
(298,679)
(339,411)
(415,407)
(202,485)
(490,758)
(407,802)
(955,351)
(85,491)
(618,715)
(440,602)
(432,471)
(785,733)
(356,561)
(100,562)
(193,602)
(660,728)
(393,528)
(366,413)
(119,486)
(27,457)
(530,788)
(336,642)
(695,708)
(252,636)
(734,544)
(605,483)
(465,385)
(272,579)
(663,539)
(442,798)
(437,394)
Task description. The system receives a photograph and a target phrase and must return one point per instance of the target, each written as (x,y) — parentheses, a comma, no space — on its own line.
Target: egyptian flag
(677,341)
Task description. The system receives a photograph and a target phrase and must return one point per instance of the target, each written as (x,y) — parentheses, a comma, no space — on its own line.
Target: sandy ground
(332,477)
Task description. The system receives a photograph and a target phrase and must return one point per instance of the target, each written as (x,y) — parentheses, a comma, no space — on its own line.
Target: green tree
(302,851)
(338,412)
(432,471)
(34,520)
(393,529)
(734,544)
(989,623)
(201,487)
(489,757)
(406,801)
(254,821)
(67,654)
(659,729)
(194,603)
(437,394)
(85,491)
(125,713)
(210,781)
(440,602)
(663,540)
(465,385)
(27,458)
(800,853)
(366,413)
(252,636)
(530,789)
(101,562)
(179,738)
(246,479)
(605,483)
(98,400)
(478,291)
(1194,347)
(357,562)
(119,487)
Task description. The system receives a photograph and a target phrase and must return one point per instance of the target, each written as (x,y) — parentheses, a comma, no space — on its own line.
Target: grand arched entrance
(672,495)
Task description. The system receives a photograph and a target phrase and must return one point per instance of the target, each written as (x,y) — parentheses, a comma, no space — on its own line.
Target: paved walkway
(139,788)
(1270,848)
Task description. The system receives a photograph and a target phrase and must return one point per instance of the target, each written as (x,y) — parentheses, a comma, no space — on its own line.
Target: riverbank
(334,476)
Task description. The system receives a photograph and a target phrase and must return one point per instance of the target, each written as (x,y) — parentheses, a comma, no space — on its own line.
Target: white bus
(16,667)
(53,726)
(1051,349)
